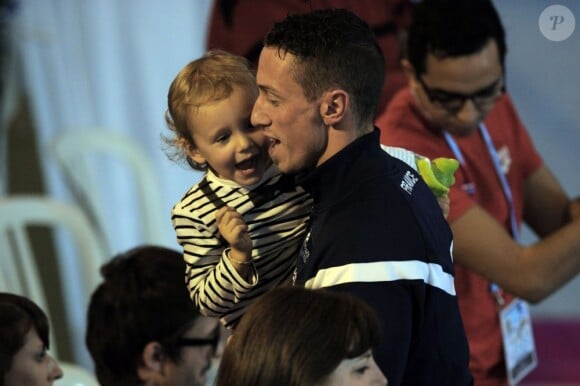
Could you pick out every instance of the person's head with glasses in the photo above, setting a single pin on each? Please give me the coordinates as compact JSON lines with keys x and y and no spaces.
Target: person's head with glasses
{"x":143,"y":328}
{"x":455,"y":62}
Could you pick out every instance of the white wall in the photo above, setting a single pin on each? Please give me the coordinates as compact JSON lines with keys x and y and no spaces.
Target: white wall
{"x":543,"y":76}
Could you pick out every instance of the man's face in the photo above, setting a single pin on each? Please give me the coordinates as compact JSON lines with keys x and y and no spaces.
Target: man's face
{"x":457,"y":93}
{"x":298,"y":137}
{"x":192,"y":367}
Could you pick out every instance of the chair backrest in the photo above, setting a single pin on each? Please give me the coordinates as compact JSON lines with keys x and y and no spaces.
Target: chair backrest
{"x":18,"y":265}
{"x":76,"y":152}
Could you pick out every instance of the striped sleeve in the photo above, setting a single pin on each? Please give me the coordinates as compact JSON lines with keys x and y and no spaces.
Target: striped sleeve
{"x":213,"y":283}
{"x":276,"y":222}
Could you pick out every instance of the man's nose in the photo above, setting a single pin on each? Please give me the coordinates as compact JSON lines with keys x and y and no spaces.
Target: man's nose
{"x":258,"y":118}
{"x":469,"y":113}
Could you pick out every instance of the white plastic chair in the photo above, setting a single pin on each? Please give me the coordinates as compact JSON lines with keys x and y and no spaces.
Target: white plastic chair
{"x":77,"y":152}
{"x":75,"y":375}
{"x":18,"y":265}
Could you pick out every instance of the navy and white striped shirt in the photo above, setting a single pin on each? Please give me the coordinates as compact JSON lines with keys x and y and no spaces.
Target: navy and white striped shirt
{"x":276,"y":220}
{"x":276,"y":215}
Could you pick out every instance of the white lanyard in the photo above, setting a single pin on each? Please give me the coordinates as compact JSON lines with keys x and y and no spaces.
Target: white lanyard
{"x":504,"y":184}
{"x":498,"y":170}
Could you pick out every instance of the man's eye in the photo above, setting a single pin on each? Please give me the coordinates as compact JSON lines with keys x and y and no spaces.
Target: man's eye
{"x":444,"y":98}
{"x":450,"y":103}
{"x":487,"y":93}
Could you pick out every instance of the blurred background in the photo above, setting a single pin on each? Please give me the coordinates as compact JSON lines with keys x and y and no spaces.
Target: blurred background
{"x":105,"y":66}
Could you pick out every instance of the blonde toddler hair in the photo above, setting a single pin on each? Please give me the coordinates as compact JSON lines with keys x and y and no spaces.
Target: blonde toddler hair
{"x":208,"y":79}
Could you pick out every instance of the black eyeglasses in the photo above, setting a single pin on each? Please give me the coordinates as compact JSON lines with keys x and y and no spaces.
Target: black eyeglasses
{"x":197,"y":342}
{"x":453,"y":101}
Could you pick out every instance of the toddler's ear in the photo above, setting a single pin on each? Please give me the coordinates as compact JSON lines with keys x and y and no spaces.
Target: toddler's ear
{"x":194,"y":154}
{"x":191,"y":151}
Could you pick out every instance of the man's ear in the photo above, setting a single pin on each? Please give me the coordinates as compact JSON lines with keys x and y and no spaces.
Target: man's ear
{"x":409,"y":71}
{"x":334,"y":106}
{"x":408,"y":68}
{"x":151,"y":366}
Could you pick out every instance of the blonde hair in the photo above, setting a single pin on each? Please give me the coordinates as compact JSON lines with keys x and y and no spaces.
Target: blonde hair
{"x":208,"y":79}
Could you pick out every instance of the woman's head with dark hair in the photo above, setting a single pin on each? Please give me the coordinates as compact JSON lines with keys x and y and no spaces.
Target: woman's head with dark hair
{"x":23,"y":342}
{"x":295,"y":336}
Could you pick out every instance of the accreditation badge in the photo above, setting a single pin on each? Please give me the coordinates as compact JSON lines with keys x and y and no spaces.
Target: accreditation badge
{"x":518,"y":340}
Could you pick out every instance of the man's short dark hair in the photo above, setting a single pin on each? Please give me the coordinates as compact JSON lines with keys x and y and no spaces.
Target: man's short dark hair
{"x":334,"y":48}
{"x":143,"y":298}
{"x":453,"y":28}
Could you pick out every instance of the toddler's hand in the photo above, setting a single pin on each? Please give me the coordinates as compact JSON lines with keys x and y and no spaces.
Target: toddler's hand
{"x":234,"y":230}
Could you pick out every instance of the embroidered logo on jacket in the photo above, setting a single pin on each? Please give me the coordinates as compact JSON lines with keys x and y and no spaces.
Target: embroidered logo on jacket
{"x":408,"y":182}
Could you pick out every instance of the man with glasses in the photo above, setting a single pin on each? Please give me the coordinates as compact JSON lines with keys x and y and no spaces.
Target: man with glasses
{"x":456,"y":106}
{"x":142,"y":326}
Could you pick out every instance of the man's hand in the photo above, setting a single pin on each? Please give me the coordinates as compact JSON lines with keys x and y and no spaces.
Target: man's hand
{"x":574,"y":209}
{"x":444,"y":202}
{"x":438,"y":174}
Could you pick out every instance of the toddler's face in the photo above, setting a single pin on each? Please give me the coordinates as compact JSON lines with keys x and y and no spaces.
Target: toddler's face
{"x":227,"y":142}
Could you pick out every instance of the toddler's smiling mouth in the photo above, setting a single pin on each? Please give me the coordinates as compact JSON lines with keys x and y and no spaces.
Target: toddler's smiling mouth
{"x":249,"y":165}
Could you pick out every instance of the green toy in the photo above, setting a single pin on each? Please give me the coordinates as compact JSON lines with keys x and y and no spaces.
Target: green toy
{"x":438,"y":174}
